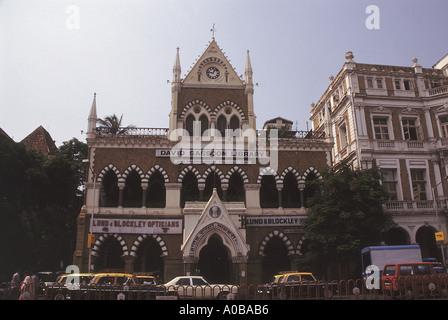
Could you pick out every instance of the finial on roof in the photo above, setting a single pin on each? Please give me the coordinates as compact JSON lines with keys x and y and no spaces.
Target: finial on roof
{"x":213,"y":29}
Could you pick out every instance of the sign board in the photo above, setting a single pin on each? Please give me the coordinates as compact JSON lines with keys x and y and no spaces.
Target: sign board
{"x":273,"y":221}
{"x":440,"y":237}
{"x":137,"y":226}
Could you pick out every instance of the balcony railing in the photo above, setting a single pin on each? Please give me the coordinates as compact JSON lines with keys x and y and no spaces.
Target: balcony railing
{"x":409,"y":206}
{"x":438,"y":90}
{"x":131,"y":131}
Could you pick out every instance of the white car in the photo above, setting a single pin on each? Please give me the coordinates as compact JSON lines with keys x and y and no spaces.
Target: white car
{"x":196,"y":287}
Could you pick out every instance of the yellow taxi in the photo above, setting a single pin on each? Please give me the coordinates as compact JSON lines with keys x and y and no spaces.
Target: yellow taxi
{"x":114,"y":279}
{"x":68,"y":286}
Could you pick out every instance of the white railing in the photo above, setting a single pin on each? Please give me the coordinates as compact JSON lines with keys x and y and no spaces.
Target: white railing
{"x":438,"y":90}
{"x":409,"y":206}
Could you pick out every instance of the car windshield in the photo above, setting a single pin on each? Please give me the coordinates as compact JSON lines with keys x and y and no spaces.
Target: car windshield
{"x":106,"y":280}
{"x":146,"y":280}
{"x":307,"y":277}
{"x":199,"y":282}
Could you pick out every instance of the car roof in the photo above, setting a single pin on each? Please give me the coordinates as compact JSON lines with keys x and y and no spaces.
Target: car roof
{"x":114,"y":274}
{"x":299,"y":273}
{"x":78,"y":274}
{"x":408,"y":263}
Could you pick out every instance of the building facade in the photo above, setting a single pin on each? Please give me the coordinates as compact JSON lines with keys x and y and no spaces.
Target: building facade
{"x":394,"y":117}
{"x":208,"y":195}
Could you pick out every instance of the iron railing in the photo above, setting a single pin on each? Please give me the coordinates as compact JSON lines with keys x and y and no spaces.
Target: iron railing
{"x":433,"y":287}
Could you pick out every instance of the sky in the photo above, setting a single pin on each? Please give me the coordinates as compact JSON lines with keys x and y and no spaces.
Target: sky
{"x":55,"y":54}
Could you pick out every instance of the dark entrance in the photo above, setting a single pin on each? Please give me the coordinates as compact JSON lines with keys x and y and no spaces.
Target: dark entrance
{"x":149,"y":258}
{"x":214,"y":262}
{"x":109,"y":256}
{"x":275,"y":259}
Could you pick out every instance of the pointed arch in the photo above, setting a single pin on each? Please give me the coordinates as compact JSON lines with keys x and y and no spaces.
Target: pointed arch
{"x":131,"y":168}
{"x":189,"y":169}
{"x":276,"y":233}
{"x":312,"y":170}
{"x":299,"y":247}
{"x":190,"y":179}
{"x":192,"y":104}
{"x":108,"y":179}
{"x":142,"y":238}
{"x":159,"y":169}
{"x":293,"y":171}
{"x":100,"y":240}
{"x":109,"y":167}
{"x":270,"y":172}
{"x":213,"y":178}
{"x":241,"y":172}
{"x":231,"y":104}
{"x":216,"y":170}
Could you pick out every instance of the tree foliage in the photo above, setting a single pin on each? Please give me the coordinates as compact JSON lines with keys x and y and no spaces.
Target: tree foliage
{"x":344,"y":216}
{"x":113,"y":125}
{"x":39,"y":203}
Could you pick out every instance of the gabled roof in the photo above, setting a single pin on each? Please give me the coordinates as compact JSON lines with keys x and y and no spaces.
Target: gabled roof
{"x":3,"y":133}
{"x":40,"y":140}
{"x":212,"y":55}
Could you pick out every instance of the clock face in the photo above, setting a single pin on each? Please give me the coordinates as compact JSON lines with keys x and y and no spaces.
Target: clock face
{"x":212,"y":72}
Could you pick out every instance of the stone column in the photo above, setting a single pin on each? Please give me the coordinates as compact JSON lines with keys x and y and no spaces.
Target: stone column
{"x":144,"y":189}
{"x":129,"y":264}
{"x":302,"y":194}
{"x":120,"y":194}
{"x":252,"y":198}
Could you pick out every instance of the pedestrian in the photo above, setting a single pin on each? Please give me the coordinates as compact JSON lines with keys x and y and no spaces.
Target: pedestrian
{"x":15,"y":285}
{"x":36,"y":283}
{"x":27,"y":288}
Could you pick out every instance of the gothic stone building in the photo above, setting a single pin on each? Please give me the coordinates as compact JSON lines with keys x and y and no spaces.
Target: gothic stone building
{"x":209,"y":195}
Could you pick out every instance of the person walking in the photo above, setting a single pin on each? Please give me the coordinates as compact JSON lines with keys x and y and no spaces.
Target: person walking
{"x":15,"y":285}
{"x":27,"y":288}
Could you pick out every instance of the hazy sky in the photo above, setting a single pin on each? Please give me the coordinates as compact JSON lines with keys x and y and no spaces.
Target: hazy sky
{"x":54,"y":54}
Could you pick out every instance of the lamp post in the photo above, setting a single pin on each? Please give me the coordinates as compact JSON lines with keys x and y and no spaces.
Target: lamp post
{"x":90,"y":237}
{"x":436,"y":207}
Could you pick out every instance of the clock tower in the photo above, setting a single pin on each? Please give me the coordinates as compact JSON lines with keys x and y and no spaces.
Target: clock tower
{"x":212,"y":93}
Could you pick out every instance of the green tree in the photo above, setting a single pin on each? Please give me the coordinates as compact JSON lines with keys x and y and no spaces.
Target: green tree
{"x":344,"y":215}
{"x":113,"y":125}
{"x":39,"y":204}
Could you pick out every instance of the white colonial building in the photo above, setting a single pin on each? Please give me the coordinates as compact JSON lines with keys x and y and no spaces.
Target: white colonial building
{"x":394,"y":117}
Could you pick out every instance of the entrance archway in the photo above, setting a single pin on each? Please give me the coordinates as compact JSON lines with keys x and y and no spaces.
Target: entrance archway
{"x":110,"y":256}
{"x":275,"y":259}
{"x":149,"y":257}
{"x":214,"y":261}
{"x":426,"y":239}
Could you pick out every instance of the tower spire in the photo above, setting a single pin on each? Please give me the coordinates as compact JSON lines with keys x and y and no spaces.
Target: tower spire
{"x":248,"y":70}
{"x":92,"y":119}
{"x":176,"y":68}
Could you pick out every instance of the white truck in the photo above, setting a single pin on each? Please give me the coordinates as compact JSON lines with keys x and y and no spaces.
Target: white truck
{"x":381,"y":255}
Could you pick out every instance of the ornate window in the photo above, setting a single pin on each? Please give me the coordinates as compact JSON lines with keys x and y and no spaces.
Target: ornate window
{"x":418,"y":177}
{"x":109,"y":190}
{"x":381,"y":128}
{"x":132,"y":193}
{"x":156,"y":192}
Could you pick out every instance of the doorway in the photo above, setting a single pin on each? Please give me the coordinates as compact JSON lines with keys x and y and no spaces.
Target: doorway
{"x":214,"y":261}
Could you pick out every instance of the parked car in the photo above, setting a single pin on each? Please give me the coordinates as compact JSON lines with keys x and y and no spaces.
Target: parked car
{"x":301,"y":285}
{"x":146,"y":280}
{"x":68,"y":286}
{"x":409,"y":279}
{"x":46,"y":279}
{"x":121,"y":286}
{"x":196,"y":287}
